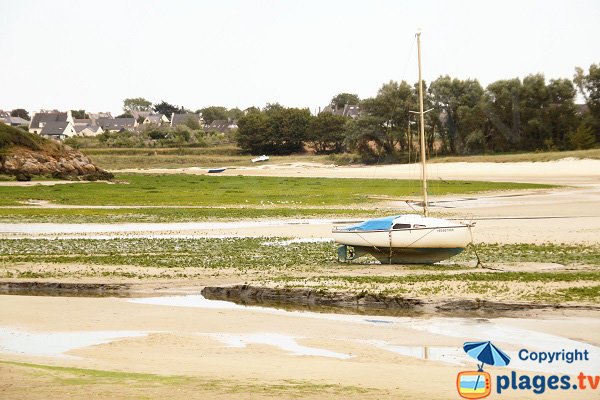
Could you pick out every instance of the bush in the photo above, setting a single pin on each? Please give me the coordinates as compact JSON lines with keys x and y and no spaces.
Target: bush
{"x":10,"y":136}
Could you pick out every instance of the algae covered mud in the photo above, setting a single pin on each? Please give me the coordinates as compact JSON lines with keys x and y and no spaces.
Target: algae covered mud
{"x":526,"y":272}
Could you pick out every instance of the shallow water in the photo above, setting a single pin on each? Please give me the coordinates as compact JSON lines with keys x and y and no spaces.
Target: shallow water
{"x":474,"y":329}
{"x":56,"y":344}
{"x":284,"y":342}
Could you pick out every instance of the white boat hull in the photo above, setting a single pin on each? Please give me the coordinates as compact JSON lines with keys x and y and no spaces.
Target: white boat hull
{"x":400,"y":246}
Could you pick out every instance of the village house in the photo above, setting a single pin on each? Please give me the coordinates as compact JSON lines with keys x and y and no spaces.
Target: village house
{"x":88,"y":130}
{"x":117,"y":124}
{"x":221,"y":125}
{"x":140,"y":115}
{"x":12,"y":121}
{"x":182,"y":119}
{"x":41,"y":119}
{"x":96,"y":116}
{"x":156,"y":119}
{"x":349,"y":110}
{"x":59,"y":130}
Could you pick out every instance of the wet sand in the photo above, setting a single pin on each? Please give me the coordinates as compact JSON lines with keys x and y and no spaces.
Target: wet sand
{"x":396,"y":357}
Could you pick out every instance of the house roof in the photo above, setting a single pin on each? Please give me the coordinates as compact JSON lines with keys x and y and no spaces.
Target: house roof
{"x":222,"y":125}
{"x":17,"y":121}
{"x":47,"y":117}
{"x":181,"y":119}
{"x":116,"y":123}
{"x":143,"y":114}
{"x":82,"y":121}
{"x":155,"y":117}
{"x":54,"y":128}
{"x":100,"y":115}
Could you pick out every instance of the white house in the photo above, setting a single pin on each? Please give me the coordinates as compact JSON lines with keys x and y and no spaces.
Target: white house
{"x":156,"y":119}
{"x":41,"y":119}
{"x":58,"y":130}
{"x":88,"y":130}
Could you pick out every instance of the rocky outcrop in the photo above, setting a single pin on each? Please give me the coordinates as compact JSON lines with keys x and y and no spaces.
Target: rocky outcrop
{"x":360,"y":303}
{"x":65,"y":164}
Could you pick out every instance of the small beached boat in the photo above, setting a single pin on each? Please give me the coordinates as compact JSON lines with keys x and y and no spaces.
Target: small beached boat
{"x":260,"y":159}
{"x":405,"y":239}
{"x":216,"y":170}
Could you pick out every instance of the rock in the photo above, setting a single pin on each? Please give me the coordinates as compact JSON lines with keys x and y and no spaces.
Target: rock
{"x":21,"y":177}
{"x":66,"y":164}
{"x":30,"y":168}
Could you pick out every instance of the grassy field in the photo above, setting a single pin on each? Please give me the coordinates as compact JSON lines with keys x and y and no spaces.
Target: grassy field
{"x":47,"y":381}
{"x":521,"y":157}
{"x":183,"y":214}
{"x":200,"y":190}
{"x":218,"y":156}
{"x":198,"y":197}
{"x":118,"y":158}
{"x":312,"y":265}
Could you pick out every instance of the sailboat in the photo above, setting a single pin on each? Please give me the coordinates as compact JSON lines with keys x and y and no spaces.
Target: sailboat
{"x":409,"y":238}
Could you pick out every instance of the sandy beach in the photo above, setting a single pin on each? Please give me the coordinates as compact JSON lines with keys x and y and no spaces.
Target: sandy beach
{"x":228,"y":351}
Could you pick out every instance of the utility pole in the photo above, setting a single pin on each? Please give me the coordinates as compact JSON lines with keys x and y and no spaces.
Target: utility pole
{"x":422,"y":120}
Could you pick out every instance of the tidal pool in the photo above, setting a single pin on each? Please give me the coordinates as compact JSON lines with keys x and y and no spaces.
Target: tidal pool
{"x":472,"y":329}
{"x":56,"y":344}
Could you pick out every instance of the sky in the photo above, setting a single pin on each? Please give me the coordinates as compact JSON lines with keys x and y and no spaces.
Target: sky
{"x":91,"y":55}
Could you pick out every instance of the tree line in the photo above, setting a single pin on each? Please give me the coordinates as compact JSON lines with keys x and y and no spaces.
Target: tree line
{"x":511,"y":115}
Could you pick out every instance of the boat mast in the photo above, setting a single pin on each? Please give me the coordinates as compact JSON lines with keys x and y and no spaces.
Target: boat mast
{"x":422,"y":133}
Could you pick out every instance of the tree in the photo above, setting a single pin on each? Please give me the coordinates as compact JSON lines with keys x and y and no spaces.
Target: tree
{"x":502,"y":109}
{"x":340,"y":100}
{"x":276,"y":130}
{"x":125,"y":115}
{"x":213,"y":113}
{"x":583,"y":137}
{"x":192,"y":123}
{"x":589,"y":86}
{"x":561,"y":115}
{"x":253,"y":132}
{"x":79,"y":114}
{"x":457,"y":102}
{"x":287,"y":128}
{"x":388,"y":115}
{"x":167,"y":109}
{"x":326,"y":133}
{"x":234,"y":114}
{"x":136,"y":104}
{"x":365,"y":135}
{"x":21,"y":113}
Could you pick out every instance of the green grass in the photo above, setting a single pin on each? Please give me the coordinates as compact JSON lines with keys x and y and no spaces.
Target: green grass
{"x":251,"y":253}
{"x":123,"y":215}
{"x":521,"y":157}
{"x":199,"y":190}
{"x":301,"y":265}
{"x":214,"y":156}
{"x":229,"y":155}
{"x":476,"y":277}
{"x":67,"y":379}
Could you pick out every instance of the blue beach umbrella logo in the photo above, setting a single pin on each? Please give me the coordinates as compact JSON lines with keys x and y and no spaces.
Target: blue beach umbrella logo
{"x":486,"y":353}
{"x":478,"y":384}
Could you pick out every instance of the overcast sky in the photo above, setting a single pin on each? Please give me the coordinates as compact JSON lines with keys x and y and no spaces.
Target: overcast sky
{"x":93,"y":54}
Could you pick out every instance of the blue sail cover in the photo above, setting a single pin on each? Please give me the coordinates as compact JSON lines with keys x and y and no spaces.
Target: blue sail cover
{"x":377,"y":224}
